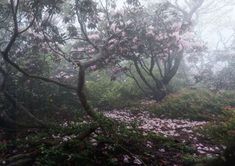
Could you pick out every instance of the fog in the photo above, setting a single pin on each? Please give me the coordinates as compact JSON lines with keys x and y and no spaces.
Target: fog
{"x":117,"y":82}
{"x":214,"y":21}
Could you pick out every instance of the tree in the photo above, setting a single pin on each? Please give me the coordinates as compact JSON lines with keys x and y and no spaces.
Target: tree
{"x":153,"y":44}
{"x":26,"y":31}
{"x":164,"y":42}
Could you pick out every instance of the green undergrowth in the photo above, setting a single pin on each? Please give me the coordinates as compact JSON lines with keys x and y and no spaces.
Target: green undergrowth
{"x":103,"y":92}
{"x":61,"y":146}
{"x":222,"y":132}
{"x":197,"y":104}
{"x":192,"y":160}
{"x":110,"y":150}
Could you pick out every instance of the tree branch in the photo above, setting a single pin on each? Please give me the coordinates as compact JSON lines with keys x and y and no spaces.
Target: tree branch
{"x":6,"y":58}
{"x":25,"y":110}
{"x":3,"y":83}
{"x":81,"y":94}
{"x":142,"y":77}
{"x":84,"y":32}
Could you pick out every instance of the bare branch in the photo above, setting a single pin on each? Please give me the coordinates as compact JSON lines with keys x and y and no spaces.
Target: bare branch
{"x":30,"y":25}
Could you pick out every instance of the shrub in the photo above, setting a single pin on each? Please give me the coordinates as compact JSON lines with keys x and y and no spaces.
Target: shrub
{"x":197,"y":104}
{"x":223,"y":133}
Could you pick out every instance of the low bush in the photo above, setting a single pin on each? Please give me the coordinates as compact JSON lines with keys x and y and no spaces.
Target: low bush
{"x":223,"y":133}
{"x":199,"y":104}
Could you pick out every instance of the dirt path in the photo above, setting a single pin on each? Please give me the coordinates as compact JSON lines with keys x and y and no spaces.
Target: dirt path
{"x":181,"y":130}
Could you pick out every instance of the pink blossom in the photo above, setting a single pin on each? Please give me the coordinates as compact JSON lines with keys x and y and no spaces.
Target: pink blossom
{"x":135,"y":39}
{"x":121,"y":12}
{"x":111,"y":46}
{"x":135,"y":47}
{"x":113,"y":41}
{"x":93,"y":67}
{"x":198,"y":44}
{"x":91,"y":50}
{"x":159,"y":36}
{"x":118,"y":30}
{"x":137,"y":161}
{"x":150,"y":33}
{"x":94,"y":36}
{"x":128,"y":22}
{"x":94,"y":142}
{"x":177,"y":26}
{"x":81,"y":49}
{"x":121,"y":23}
{"x":176,"y":35}
{"x":113,"y":27}
{"x":180,"y":47}
{"x":151,"y":27}
{"x":166,"y":50}
{"x":162,"y":150}
{"x":123,"y":34}
{"x":188,"y":35}
{"x":126,"y":159}
{"x":186,"y":44}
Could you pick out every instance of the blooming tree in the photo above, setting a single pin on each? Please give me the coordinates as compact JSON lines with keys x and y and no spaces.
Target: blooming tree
{"x":48,"y":28}
{"x":150,"y":42}
{"x":155,"y":43}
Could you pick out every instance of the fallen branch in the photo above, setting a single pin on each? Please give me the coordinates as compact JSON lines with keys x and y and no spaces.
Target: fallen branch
{"x":87,"y":133}
{"x":21,"y":159}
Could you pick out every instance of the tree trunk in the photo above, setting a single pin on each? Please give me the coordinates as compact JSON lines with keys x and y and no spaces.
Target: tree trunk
{"x":160,"y":95}
{"x":82,"y":95}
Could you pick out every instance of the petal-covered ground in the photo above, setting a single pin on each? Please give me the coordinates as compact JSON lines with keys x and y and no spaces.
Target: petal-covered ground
{"x":181,"y":130}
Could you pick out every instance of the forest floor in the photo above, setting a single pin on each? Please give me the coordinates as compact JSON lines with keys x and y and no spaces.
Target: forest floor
{"x":162,"y":141}
{"x":184,"y":131}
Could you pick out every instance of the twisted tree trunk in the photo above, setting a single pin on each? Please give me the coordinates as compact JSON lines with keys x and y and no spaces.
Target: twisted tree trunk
{"x":81,"y":93}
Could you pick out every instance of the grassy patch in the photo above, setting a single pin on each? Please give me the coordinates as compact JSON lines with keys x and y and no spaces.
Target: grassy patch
{"x":222,"y":132}
{"x":194,"y":104}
